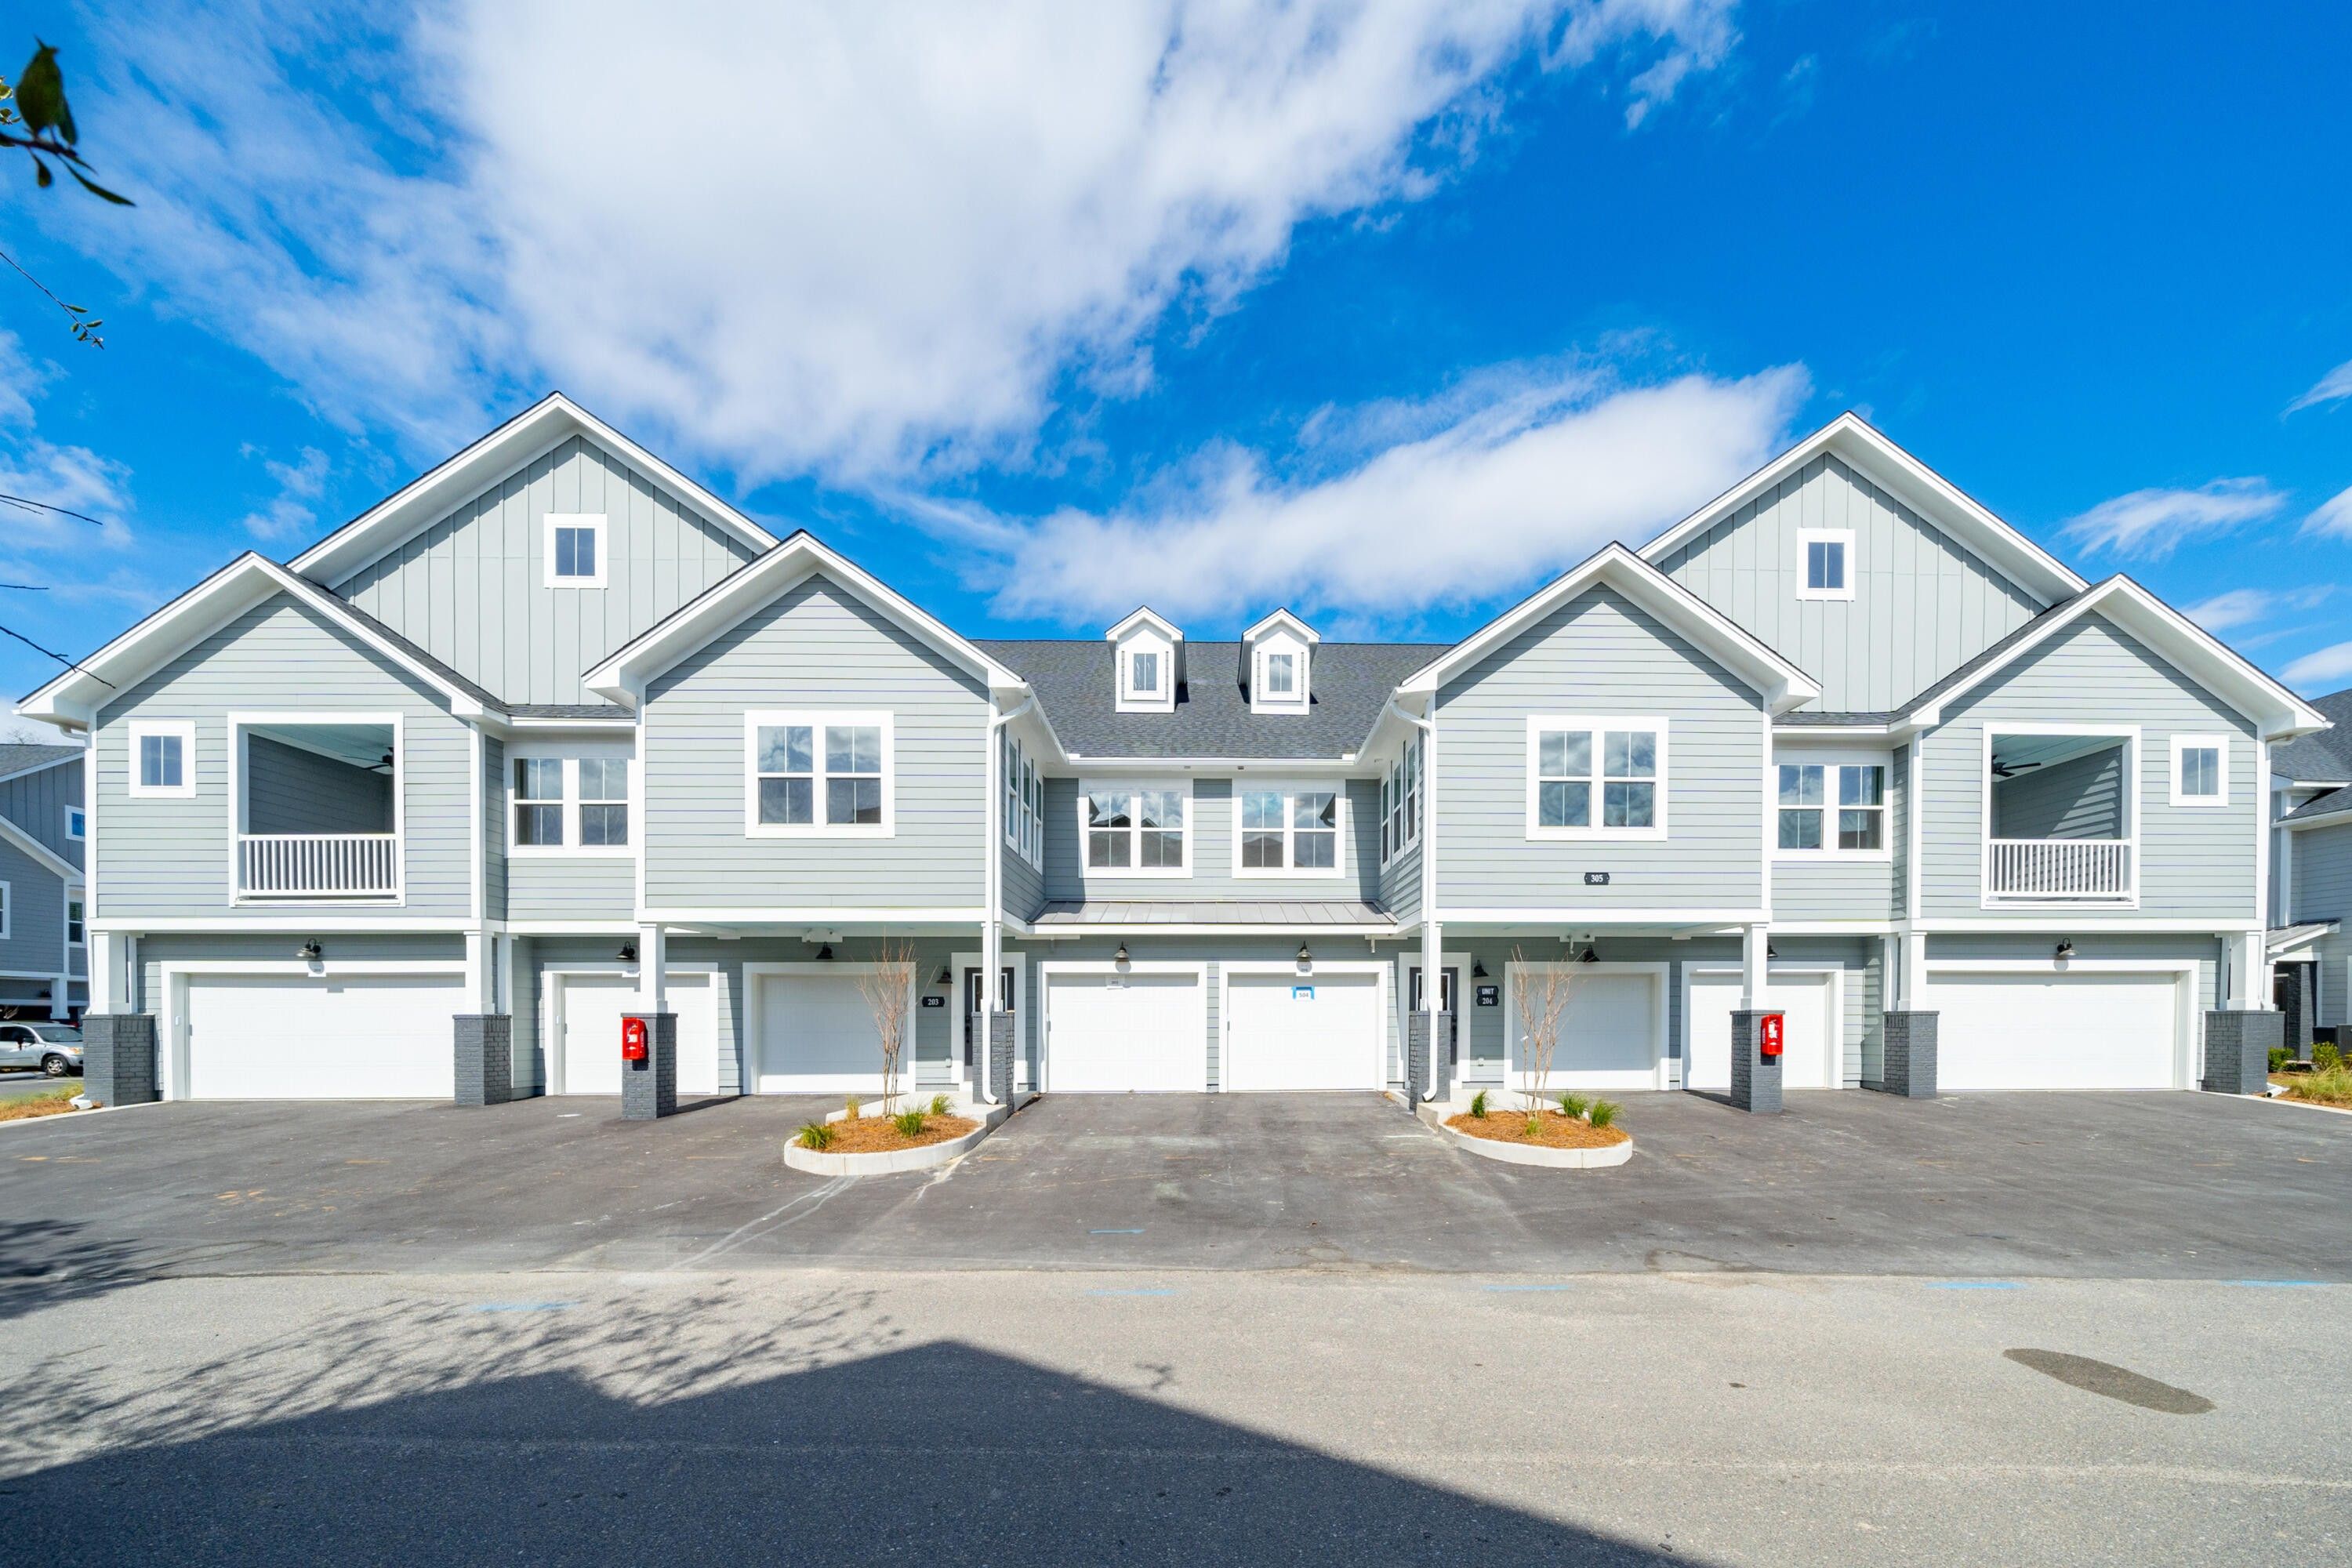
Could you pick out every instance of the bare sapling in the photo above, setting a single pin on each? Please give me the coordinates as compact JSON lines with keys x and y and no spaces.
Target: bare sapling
{"x":886,"y":985}
{"x":1542,"y":996}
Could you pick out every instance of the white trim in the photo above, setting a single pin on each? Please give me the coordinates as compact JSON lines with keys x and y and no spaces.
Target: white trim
{"x":1290,"y":789}
{"x":1379,"y":968}
{"x":1134,"y":790}
{"x":756,"y":974}
{"x":1596,"y":777}
{"x":238,"y":722}
{"x":594,"y":524}
{"x":2188,"y":1038}
{"x":39,"y":853}
{"x":1841,"y":537}
{"x":71,"y":900}
{"x":2079,"y":922}
{"x":1065,"y":932}
{"x":1048,"y":969}
{"x":1782,"y":685}
{"x":1279,"y":620}
{"x":72,"y":811}
{"x":2220,"y":743}
{"x":2133,"y":766}
{"x":1601,"y":919}
{"x":1660,"y":1065}
{"x":1145,"y":616}
{"x":817,"y":721}
{"x":1830,"y":760}
{"x":1911,"y":482}
{"x":549,"y":1019}
{"x":1140,"y":637}
{"x":8,"y":910}
{"x":185,"y":730}
{"x":171,"y":1078}
{"x":1836,"y":1019}
{"x":569,"y":755}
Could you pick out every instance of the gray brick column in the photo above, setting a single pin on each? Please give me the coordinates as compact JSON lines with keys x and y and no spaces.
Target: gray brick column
{"x":1754,"y":1079}
{"x":118,"y":1058}
{"x":2296,"y":1009}
{"x":1000,"y":1057}
{"x":1427,"y":1075}
{"x":1441,"y":1057}
{"x":649,"y":1088}
{"x":1909,"y":1068}
{"x":2238,"y":1050}
{"x":485,"y":1057}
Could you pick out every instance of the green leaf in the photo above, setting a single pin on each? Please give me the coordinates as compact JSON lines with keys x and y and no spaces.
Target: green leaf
{"x":41,"y":96}
{"x":98,"y":190}
{"x":41,"y":175}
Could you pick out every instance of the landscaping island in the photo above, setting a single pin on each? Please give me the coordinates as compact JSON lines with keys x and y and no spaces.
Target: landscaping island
{"x":1576,"y":1136}
{"x":850,"y":1142}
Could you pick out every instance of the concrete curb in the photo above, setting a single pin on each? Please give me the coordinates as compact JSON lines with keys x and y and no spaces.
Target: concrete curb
{"x":818,"y":1163}
{"x":1433,"y":1117}
{"x":2299,"y":1104}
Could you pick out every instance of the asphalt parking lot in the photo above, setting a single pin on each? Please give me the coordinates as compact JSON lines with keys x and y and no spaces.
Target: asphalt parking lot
{"x":2147,"y":1185}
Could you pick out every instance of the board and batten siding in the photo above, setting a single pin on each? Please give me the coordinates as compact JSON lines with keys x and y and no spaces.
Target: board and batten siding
{"x":471,"y":589}
{"x":2321,"y":890}
{"x":1923,"y":605}
{"x":1212,"y":848}
{"x":1601,"y":654}
{"x":37,"y":912}
{"x":37,"y":802}
{"x":2196,"y":863}
{"x":171,"y":858}
{"x":815,"y":646}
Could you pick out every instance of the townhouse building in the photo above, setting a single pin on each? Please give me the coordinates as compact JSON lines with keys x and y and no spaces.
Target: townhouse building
{"x":2311,"y":883}
{"x":553,"y":734}
{"x":43,"y":958}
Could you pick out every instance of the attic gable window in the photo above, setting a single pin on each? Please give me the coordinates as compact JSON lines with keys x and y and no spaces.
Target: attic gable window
{"x":1280,"y":652}
{"x":575,"y":550}
{"x":1825,"y":564}
{"x":1146,"y":663}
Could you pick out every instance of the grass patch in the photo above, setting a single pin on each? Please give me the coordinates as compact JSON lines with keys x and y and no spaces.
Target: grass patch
{"x":2331,"y":1086}
{"x":909,"y":1124}
{"x":53,"y":1101}
{"x":814,"y":1135}
{"x":942,"y":1105}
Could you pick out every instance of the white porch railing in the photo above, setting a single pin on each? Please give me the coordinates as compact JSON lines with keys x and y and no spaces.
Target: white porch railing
{"x":318,"y":865}
{"x":2089,"y":871}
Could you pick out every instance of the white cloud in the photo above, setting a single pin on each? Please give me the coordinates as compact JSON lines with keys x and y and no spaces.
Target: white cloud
{"x":2152,"y":522}
{"x":2326,"y":667}
{"x":1533,"y":477}
{"x":860,"y":241}
{"x":2332,"y":517}
{"x":34,"y":469}
{"x":2335,"y":386}
{"x":2245,"y":606}
{"x":293,"y":511}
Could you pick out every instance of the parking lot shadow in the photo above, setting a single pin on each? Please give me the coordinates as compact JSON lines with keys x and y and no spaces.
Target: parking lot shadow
{"x":49,"y":1263}
{"x":937,"y":1453}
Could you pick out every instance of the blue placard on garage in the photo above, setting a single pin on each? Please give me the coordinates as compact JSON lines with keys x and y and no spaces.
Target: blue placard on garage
{"x":1302,"y":994}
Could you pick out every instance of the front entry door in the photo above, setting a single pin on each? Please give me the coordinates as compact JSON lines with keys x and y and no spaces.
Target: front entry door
{"x":975,"y":1027}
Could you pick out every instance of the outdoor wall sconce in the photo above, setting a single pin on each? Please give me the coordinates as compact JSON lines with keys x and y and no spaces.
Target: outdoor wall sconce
{"x":1120,"y":956}
{"x":2065,"y":949}
{"x":946,"y":976}
{"x":1592,"y":954}
{"x":1305,"y":957}
{"x":824,"y":953}
{"x":1770,"y":951}
{"x":311,"y":952}
{"x":1477,"y":969}
{"x":628,"y":953}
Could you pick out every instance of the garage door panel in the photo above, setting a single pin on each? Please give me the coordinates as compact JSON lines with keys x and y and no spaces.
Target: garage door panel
{"x":300,"y":1037}
{"x":592,"y":1007}
{"x":2046,"y":1031}
{"x":1115,"y":1034}
{"x":817,"y":1035}
{"x":1609,"y":1033}
{"x":1287,"y":1032}
{"x":1813,"y":1038}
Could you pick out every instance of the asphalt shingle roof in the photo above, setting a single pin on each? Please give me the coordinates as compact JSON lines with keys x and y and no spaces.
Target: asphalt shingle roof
{"x":16,"y":757}
{"x":1348,"y":684}
{"x":2327,"y":757}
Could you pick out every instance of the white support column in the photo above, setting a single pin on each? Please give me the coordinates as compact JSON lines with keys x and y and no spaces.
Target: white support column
{"x":61,"y":997}
{"x":510,"y":982}
{"x":2249,"y":971}
{"x":1754,"y":942}
{"x":105,"y":953}
{"x":481,"y":971}
{"x":1890,"y":976}
{"x":653,"y":969}
{"x":132,"y":997}
{"x":1915,"y":971}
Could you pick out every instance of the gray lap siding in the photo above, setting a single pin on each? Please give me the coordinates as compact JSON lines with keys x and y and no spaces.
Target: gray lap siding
{"x":35,"y":944}
{"x":37,"y":802}
{"x":1213,"y":874}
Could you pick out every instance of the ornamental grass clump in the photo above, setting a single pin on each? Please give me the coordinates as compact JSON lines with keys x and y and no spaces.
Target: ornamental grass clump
{"x":814,"y":1135}
{"x":909,"y":1124}
{"x":1478,"y":1105}
{"x":1572,"y":1104}
{"x":1602,"y":1113}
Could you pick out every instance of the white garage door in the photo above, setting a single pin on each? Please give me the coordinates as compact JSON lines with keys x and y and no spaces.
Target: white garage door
{"x":287,"y":1037}
{"x":588,"y":1057}
{"x":2046,"y":1031}
{"x":1810,"y":1056}
{"x":816,"y":1034}
{"x":1610,"y":1033}
{"x":1117,"y":1033}
{"x":1295,"y":1032}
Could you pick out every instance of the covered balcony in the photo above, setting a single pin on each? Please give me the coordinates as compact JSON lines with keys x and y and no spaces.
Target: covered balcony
{"x":2059,"y":819}
{"x":317,"y":809}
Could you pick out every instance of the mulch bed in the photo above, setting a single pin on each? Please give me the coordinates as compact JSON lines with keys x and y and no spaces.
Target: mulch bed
{"x":1559,"y":1131}
{"x":874,"y":1135}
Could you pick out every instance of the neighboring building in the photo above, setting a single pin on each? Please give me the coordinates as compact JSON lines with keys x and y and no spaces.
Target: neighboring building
{"x":555,"y":733}
{"x":2311,"y":886}
{"x":43,"y":973}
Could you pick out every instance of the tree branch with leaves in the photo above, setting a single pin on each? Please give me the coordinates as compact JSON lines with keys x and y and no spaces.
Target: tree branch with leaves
{"x":35,"y":120}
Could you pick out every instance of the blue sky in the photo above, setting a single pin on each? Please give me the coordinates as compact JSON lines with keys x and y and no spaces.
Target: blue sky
{"x":1382,"y":311}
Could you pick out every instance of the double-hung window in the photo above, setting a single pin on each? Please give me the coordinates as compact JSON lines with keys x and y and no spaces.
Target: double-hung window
{"x":576,"y":802}
{"x":1830,"y":807}
{"x":1025,"y":792}
{"x":1136,"y":829}
{"x":1597,"y":777}
{"x":163,"y":758}
{"x":1287,"y":830}
{"x":74,"y":928}
{"x":2200,"y":770}
{"x":1401,"y":801}
{"x":817,"y":772}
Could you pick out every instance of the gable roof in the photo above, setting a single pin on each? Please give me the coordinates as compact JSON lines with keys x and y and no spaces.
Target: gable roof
{"x":1853,"y":440}
{"x":1211,"y":719}
{"x":19,"y":758}
{"x":529,"y":435}
{"x":2324,"y":757}
{"x":1782,"y":684}
{"x":39,"y":852}
{"x":2277,"y":712}
{"x":1145,"y":616}
{"x":73,"y":699}
{"x":623,"y":675}
{"x":2335,"y":803}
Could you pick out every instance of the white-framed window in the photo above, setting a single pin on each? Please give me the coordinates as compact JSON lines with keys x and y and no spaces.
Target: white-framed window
{"x":163,"y":758}
{"x":575,"y":550}
{"x":818,"y":773}
{"x":1830,"y":806}
{"x":77,"y":823}
{"x":1825,"y":564}
{"x":1400,"y":801}
{"x":1147,"y":668}
{"x":1136,"y":829}
{"x":1282,"y":677}
{"x":76,"y":931}
{"x":572,"y":800}
{"x":2200,"y":770}
{"x":1024,"y":798}
{"x":1596,"y":777}
{"x":1288,"y":829}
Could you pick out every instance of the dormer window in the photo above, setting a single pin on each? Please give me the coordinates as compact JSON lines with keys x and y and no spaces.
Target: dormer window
{"x":1280,"y":649}
{"x":1146,"y":652}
